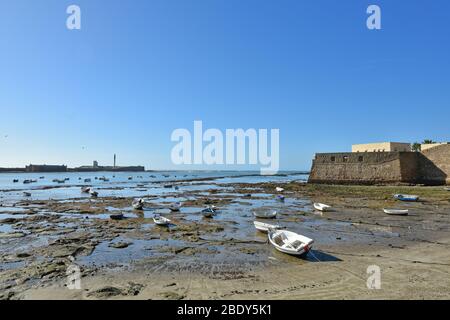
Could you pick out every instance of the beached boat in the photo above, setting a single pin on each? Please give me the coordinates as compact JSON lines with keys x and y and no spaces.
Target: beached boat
{"x":207,"y":214}
{"x":265,"y":227}
{"x":116,"y":216}
{"x":175,"y":207}
{"x":265,"y":215}
{"x":290,"y":242}
{"x":278,"y":189}
{"x":85,"y":189}
{"x":321,"y":206}
{"x":27,"y":194}
{"x":406,"y":197}
{"x":138,"y":204}
{"x":161,"y":221}
{"x":396,"y":212}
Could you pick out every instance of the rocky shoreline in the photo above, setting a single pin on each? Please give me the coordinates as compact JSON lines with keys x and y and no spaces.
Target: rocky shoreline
{"x":223,"y":257}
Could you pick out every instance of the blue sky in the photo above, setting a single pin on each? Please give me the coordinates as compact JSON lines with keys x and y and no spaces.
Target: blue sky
{"x":139,"y":69}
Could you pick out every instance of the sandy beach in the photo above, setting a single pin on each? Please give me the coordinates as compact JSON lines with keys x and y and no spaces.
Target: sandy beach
{"x":224,"y":257}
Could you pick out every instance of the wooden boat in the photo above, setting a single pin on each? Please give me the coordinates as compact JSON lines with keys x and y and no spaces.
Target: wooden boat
{"x":161,"y":221}
{"x":265,"y":227}
{"x":138,"y":204}
{"x":175,"y":207}
{"x":321,"y":207}
{"x":406,"y":197}
{"x":290,"y":242}
{"x":265,"y":215}
{"x":396,"y":212}
{"x":278,"y":189}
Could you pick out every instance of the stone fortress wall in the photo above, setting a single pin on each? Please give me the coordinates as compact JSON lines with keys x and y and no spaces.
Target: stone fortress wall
{"x":431,"y":167}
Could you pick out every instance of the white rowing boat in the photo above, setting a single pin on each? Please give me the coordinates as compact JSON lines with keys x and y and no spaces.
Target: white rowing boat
{"x":85,"y":189}
{"x":290,"y":242}
{"x":265,"y":227}
{"x":396,"y":212}
{"x":161,"y":221}
{"x":138,"y":204}
{"x":322,"y":207}
{"x":175,"y":206}
{"x":278,"y":189}
{"x":265,"y":215}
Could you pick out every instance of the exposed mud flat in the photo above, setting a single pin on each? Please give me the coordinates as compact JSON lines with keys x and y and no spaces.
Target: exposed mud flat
{"x":43,"y":237}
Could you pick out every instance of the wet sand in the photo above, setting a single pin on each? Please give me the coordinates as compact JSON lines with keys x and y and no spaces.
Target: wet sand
{"x":224,"y":257}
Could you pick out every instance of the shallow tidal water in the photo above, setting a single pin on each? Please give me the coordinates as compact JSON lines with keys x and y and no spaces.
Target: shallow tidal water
{"x":228,"y":239}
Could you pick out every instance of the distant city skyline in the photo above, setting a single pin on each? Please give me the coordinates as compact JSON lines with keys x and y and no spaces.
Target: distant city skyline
{"x":137,"y":71}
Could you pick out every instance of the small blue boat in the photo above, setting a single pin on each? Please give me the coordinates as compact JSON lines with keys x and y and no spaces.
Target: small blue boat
{"x":280,"y":198}
{"x":406,"y":197}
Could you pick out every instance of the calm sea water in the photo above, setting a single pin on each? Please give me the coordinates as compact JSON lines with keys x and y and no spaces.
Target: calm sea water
{"x":127,"y":184}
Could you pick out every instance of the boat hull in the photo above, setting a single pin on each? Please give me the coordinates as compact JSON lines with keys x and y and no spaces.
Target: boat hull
{"x":292,"y":237}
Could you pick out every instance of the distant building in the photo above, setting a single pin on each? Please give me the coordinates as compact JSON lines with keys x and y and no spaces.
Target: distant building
{"x":95,"y":164}
{"x":426,"y":146}
{"x":45,"y":168}
{"x":382,"y":147}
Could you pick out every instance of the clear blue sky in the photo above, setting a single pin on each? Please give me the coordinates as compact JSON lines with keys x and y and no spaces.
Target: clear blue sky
{"x":139,"y":69}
